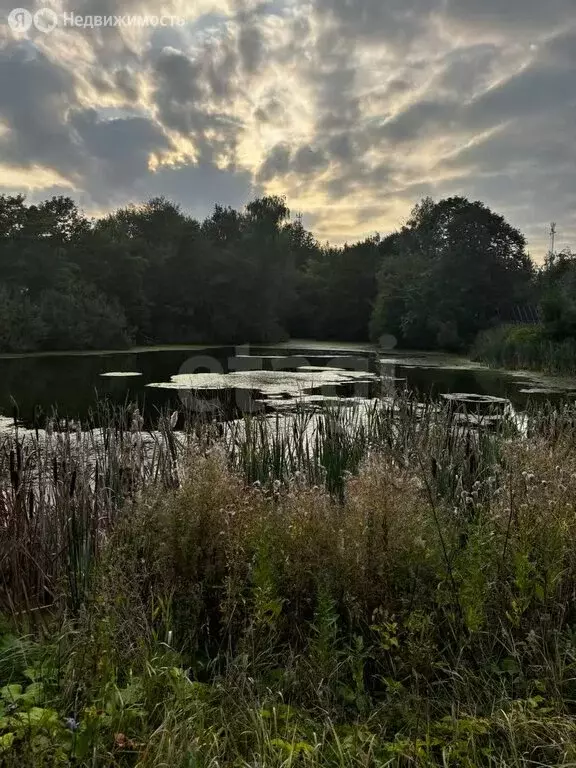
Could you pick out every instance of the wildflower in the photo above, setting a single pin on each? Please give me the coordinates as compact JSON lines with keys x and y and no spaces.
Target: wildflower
{"x":71,"y":724}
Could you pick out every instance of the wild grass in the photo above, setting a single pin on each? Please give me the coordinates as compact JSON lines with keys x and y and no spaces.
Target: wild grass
{"x":62,"y":490}
{"x":525,"y":347}
{"x":244,"y":609}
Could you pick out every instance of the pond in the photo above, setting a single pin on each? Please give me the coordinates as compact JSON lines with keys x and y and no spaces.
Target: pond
{"x":232,"y":380}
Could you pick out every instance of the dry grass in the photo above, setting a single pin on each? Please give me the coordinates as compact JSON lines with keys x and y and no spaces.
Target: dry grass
{"x":424,"y":616}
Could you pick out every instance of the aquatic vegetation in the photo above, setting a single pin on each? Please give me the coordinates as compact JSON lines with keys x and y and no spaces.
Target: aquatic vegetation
{"x":120,"y":374}
{"x":525,"y":347}
{"x":373,"y":585}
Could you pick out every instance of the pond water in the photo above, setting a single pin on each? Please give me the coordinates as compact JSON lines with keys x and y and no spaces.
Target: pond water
{"x":231,"y":380}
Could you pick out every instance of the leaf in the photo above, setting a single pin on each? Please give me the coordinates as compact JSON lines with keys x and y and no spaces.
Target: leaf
{"x":11,"y":692}
{"x":6,"y":741}
{"x":33,"y":695}
{"x":292,"y":748}
{"x":38,"y":717}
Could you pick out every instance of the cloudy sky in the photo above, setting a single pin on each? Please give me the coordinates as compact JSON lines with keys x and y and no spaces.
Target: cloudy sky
{"x":353,"y":109}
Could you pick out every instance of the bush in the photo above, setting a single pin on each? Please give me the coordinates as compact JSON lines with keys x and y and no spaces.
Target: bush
{"x":80,"y":318}
{"x":22,"y":327}
{"x":525,"y":347}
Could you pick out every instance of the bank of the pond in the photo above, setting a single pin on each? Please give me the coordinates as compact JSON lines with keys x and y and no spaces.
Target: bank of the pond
{"x":163,"y":609}
{"x":526,"y":347}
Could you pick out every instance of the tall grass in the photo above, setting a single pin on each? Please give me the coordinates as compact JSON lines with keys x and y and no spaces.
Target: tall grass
{"x":292,"y":598}
{"x":525,"y":347}
{"x":62,"y":490}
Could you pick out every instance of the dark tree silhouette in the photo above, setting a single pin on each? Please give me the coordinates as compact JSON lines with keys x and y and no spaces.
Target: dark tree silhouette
{"x":152,"y":274}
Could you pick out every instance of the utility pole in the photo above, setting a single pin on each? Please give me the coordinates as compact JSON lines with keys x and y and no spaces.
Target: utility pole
{"x":552,"y":237}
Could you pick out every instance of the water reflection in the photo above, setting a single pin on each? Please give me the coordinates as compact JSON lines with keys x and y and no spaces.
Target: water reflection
{"x":266,"y":378}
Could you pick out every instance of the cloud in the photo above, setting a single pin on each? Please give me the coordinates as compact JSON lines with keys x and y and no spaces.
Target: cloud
{"x":251,"y":47}
{"x":120,"y":149}
{"x":277,"y":163}
{"x":393,"y":22}
{"x":352,"y":108}
{"x":514,"y":16}
{"x":36,"y":96}
{"x":198,"y":187}
{"x":308,"y":160}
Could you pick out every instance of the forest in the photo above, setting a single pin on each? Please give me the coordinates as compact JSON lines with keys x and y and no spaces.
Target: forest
{"x":151,"y":274}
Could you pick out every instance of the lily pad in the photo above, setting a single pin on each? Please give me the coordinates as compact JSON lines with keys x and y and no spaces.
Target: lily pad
{"x":120,"y":374}
{"x":291,"y":383}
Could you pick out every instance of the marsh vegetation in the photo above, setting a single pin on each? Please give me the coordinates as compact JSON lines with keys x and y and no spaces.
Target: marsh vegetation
{"x":370,"y":587}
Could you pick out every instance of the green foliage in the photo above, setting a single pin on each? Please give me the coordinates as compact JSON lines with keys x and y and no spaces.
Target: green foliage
{"x":557,"y":282}
{"x":82,"y":319}
{"x":525,"y":347}
{"x":549,"y":346}
{"x":406,"y":620}
{"x":152,"y":274}
{"x":22,"y":328}
{"x":449,"y":273}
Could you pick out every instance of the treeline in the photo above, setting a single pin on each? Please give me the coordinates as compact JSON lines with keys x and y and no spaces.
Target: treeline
{"x":152,"y":274}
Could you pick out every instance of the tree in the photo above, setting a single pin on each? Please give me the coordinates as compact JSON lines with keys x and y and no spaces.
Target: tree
{"x":152,"y":274}
{"x":21,"y":326}
{"x":453,"y":270}
{"x":557,"y":284}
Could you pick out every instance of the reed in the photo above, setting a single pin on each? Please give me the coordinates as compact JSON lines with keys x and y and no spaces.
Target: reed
{"x":381,"y":585}
{"x":525,"y":348}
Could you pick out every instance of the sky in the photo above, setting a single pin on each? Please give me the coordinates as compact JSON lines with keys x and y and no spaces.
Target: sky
{"x":352,"y":109}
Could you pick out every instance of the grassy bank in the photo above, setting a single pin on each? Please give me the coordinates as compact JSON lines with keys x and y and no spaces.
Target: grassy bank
{"x":525,"y":347}
{"x":399,"y":592}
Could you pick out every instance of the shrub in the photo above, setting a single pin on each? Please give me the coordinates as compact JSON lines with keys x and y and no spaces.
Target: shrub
{"x":80,"y":318}
{"x":527,"y":347}
{"x":22,"y":328}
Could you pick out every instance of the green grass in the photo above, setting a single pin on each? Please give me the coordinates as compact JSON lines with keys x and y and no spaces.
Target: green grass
{"x":525,"y":347}
{"x":375,"y":587}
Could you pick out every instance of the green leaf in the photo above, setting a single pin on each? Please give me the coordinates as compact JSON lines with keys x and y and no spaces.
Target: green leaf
{"x":33,"y":695}
{"x":38,"y":717}
{"x":11,"y":692}
{"x":6,"y":742}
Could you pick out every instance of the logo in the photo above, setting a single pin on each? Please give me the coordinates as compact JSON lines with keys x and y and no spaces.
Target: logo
{"x":45,"y":20}
{"x":19,"y":20}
